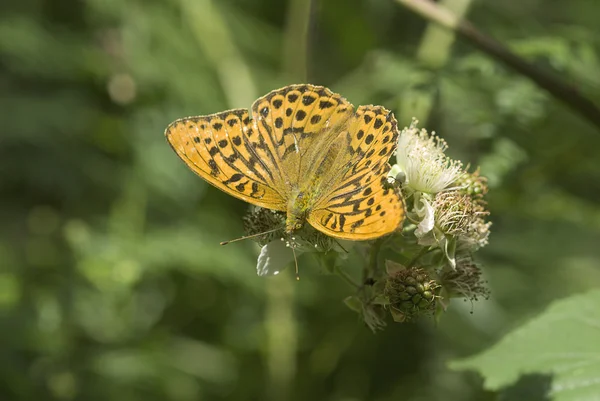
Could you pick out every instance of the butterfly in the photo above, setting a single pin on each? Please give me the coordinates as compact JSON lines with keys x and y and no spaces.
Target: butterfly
{"x":305,"y":151}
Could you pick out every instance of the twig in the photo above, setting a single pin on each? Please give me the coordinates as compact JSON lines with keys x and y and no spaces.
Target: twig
{"x":544,"y":79}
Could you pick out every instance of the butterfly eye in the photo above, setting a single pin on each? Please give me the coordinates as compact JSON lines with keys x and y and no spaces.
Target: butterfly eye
{"x":298,"y":226}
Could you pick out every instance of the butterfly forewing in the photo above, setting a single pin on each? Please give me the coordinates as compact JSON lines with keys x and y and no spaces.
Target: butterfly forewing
{"x":227,"y":151}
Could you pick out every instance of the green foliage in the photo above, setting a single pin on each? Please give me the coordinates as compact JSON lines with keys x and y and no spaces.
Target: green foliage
{"x":562,"y":342}
{"x":112,"y":281}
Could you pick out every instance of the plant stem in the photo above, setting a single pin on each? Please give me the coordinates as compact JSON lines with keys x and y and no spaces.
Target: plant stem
{"x":547,"y":80}
{"x":211,"y":32}
{"x":373,"y":259}
{"x":422,"y":252}
{"x":295,"y":51}
{"x":433,"y":53}
{"x":346,"y":277}
{"x":281,"y":330}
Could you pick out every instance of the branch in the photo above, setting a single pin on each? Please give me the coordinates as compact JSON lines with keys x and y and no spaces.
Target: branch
{"x":547,"y":80}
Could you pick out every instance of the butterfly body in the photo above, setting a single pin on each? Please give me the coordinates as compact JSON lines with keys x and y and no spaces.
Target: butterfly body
{"x":302,"y":201}
{"x":305,"y":151}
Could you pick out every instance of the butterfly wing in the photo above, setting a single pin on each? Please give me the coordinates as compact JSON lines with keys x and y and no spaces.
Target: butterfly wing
{"x":260,"y":160}
{"x":227,"y":150}
{"x":355,"y":201}
{"x":297,"y":123}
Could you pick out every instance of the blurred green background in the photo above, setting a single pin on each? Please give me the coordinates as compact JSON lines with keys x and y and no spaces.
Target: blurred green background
{"x":112,"y":282}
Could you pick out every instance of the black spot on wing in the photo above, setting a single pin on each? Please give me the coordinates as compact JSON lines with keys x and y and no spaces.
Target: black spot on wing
{"x":342,"y":221}
{"x":214,"y":169}
{"x":308,"y":100}
{"x":300,"y":115}
{"x":326,"y":219}
{"x":234,"y":178}
{"x":356,"y":224}
{"x":325,"y":104}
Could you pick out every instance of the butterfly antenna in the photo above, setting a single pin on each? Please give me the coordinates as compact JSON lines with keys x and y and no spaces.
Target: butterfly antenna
{"x":296,"y":263}
{"x":250,"y":236}
{"x":343,"y":249}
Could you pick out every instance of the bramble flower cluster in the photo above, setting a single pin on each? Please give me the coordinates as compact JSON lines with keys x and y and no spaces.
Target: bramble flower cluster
{"x":445,"y":201}
{"x":428,"y":263}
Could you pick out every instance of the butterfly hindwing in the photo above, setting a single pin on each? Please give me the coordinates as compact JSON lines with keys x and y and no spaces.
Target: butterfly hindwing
{"x":227,"y":151}
{"x":357,"y":202}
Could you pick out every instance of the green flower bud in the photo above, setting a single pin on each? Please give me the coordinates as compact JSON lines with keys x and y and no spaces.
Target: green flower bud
{"x":472,"y":184}
{"x":411,"y":293}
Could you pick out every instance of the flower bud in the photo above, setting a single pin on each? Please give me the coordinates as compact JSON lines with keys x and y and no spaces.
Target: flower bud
{"x":472,"y":184}
{"x":261,"y":220}
{"x":411,"y":293}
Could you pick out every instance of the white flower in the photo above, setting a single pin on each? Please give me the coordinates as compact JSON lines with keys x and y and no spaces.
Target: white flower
{"x":449,"y":221}
{"x":421,"y":158}
{"x":426,"y":213}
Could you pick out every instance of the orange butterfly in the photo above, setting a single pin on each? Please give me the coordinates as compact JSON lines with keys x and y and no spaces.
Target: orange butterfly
{"x":305,"y":151}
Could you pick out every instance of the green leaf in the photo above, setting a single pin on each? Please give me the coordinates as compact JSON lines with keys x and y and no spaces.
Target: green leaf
{"x":354,"y":303}
{"x":564,"y":342}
